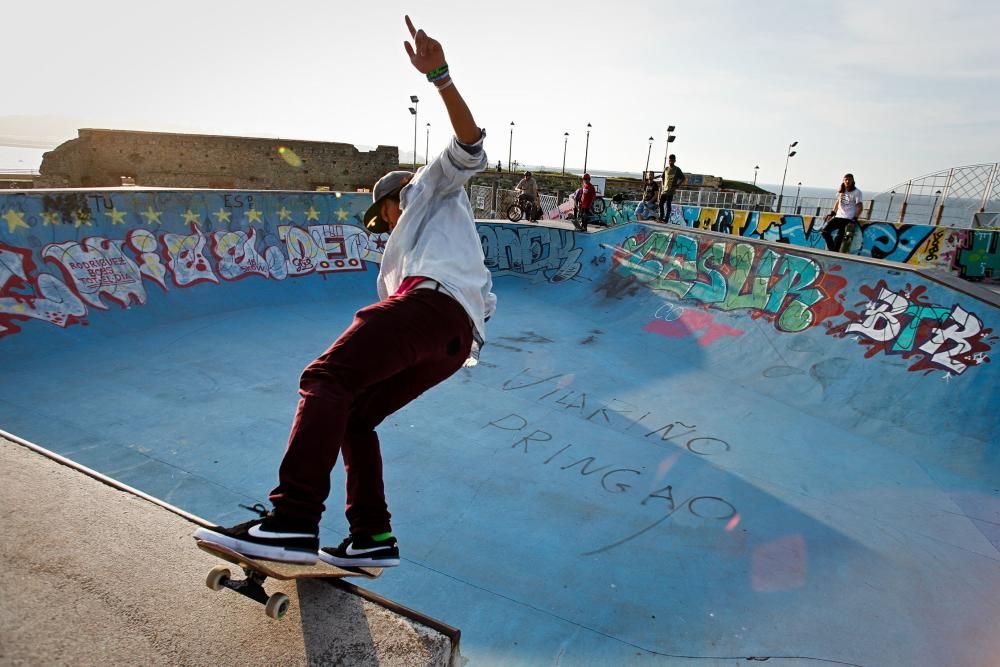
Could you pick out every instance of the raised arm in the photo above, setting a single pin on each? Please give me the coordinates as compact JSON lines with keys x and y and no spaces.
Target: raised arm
{"x":427,"y":57}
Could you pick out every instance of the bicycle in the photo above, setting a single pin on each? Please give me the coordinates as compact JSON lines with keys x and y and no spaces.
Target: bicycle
{"x":524,"y":204}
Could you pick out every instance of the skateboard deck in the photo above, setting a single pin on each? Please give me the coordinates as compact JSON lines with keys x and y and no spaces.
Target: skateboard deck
{"x":257,"y":570}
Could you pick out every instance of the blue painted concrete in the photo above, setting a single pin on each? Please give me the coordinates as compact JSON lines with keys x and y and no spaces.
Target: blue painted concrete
{"x":670,"y":448}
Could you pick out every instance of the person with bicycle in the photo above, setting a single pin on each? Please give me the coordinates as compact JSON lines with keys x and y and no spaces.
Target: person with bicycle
{"x":585,"y":196}
{"x":527,"y":190}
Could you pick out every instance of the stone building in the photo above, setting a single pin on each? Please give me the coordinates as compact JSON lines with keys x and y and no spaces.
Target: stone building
{"x":110,"y":158}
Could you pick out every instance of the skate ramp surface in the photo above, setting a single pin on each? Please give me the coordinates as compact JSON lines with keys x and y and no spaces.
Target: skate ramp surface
{"x":679,"y":447}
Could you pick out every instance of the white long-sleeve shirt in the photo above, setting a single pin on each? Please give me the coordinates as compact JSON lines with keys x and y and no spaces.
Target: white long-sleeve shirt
{"x":436,"y":235}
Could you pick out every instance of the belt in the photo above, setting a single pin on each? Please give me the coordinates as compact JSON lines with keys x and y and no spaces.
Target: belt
{"x":430,"y":284}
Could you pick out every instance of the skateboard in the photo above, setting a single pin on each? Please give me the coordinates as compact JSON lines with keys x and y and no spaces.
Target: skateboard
{"x":258,"y":570}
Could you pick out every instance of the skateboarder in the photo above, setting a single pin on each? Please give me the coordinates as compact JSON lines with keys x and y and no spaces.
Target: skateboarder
{"x":435,"y":296}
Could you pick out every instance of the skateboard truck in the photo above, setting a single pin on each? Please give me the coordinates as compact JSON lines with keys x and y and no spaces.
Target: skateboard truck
{"x":275,"y":606}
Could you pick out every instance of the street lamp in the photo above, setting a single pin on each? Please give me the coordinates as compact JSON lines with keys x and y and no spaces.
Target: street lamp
{"x":791,"y":154}
{"x":427,"y":145}
{"x":755,"y":175}
{"x":797,"y":191}
{"x":565,"y":141}
{"x":648,"y":152}
{"x":888,"y":211}
{"x":413,"y":111}
{"x":666,"y":151}
{"x":510,"y":145}
{"x":586,"y":149}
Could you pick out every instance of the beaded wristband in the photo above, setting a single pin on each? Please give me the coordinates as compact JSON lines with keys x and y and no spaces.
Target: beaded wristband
{"x":436,"y":73}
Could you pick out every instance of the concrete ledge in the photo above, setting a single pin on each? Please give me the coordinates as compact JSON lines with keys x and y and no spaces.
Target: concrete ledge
{"x":98,"y":575}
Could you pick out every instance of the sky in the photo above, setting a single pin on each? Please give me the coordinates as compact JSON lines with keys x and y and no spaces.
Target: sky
{"x":886,"y":89}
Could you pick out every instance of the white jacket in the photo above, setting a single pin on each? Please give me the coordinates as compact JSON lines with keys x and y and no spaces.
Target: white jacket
{"x":436,"y":235}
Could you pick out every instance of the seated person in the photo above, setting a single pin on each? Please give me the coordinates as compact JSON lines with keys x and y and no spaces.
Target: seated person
{"x":648,"y":208}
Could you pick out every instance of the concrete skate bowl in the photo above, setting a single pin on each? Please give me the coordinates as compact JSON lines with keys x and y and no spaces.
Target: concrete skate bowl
{"x":679,"y":446}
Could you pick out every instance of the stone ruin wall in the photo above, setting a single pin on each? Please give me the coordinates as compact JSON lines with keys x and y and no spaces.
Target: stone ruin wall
{"x":100,"y":158}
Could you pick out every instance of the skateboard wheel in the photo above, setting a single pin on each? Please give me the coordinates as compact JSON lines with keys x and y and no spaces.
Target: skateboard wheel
{"x":277,"y":605}
{"x":217,"y":577}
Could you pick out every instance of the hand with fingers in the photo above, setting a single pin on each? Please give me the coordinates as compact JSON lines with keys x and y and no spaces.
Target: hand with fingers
{"x":425,"y":53}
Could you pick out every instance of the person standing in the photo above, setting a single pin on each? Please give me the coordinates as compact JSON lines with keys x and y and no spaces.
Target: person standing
{"x":585,"y":196}
{"x":842,"y":220}
{"x":673,"y":178}
{"x":436,"y":295}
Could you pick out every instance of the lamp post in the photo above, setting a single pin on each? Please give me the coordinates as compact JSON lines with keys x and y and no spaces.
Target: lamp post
{"x":586,"y":149}
{"x":666,"y":151}
{"x":413,"y":112}
{"x":756,"y":167}
{"x":648,"y":153}
{"x":427,"y":145}
{"x":510,"y":145}
{"x":790,"y":155}
{"x":888,"y":211}
{"x":565,"y":141}
{"x":797,"y":191}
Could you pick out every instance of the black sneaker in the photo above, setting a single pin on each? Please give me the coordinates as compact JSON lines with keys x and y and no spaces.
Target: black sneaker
{"x":359,"y":551}
{"x":270,"y":537}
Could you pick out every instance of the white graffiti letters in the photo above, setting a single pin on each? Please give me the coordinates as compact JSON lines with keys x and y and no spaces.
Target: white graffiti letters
{"x":99,"y":269}
{"x":881,"y":321}
{"x":964,"y":326}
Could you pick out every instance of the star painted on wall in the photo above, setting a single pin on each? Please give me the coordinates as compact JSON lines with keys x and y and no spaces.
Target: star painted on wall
{"x":312,"y":214}
{"x":342,"y":214}
{"x":81,"y":218}
{"x":117,"y":217}
{"x":190,"y":217}
{"x":50,"y":218}
{"x":151,"y":215}
{"x":14,"y":220}
{"x":253,"y":215}
{"x":222,"y":215}
{"x":284,"y":213}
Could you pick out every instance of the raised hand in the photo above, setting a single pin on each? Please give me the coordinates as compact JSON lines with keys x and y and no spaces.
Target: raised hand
{"x":426,"y":53}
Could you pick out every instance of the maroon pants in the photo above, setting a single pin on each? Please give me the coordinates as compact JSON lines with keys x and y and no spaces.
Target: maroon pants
{"x":393,"y":351}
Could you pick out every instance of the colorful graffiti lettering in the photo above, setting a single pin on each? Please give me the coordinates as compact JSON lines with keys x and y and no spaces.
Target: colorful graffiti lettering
{"x":531,"y":251}
{"x":98,"y":268}
{"x":330,"y":248}
{"x":905,"y":323}
{"x":788,"y":289}
{"x":25,"y":295}
{"x":981,"y":258}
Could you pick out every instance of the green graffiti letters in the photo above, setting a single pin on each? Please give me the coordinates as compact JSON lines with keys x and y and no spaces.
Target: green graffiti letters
{"x":726,"y":276}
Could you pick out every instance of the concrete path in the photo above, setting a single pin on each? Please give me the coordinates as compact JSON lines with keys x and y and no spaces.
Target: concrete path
{"x":96,"y":576}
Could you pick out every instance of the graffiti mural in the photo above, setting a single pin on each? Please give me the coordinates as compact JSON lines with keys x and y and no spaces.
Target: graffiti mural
{"x":905,"y":323}
{"x":27,"y":295}
{"x":168,"y":240}
{"x":787,"y":289}
{"x":540,"y":252}
{"x":971,"y":254}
